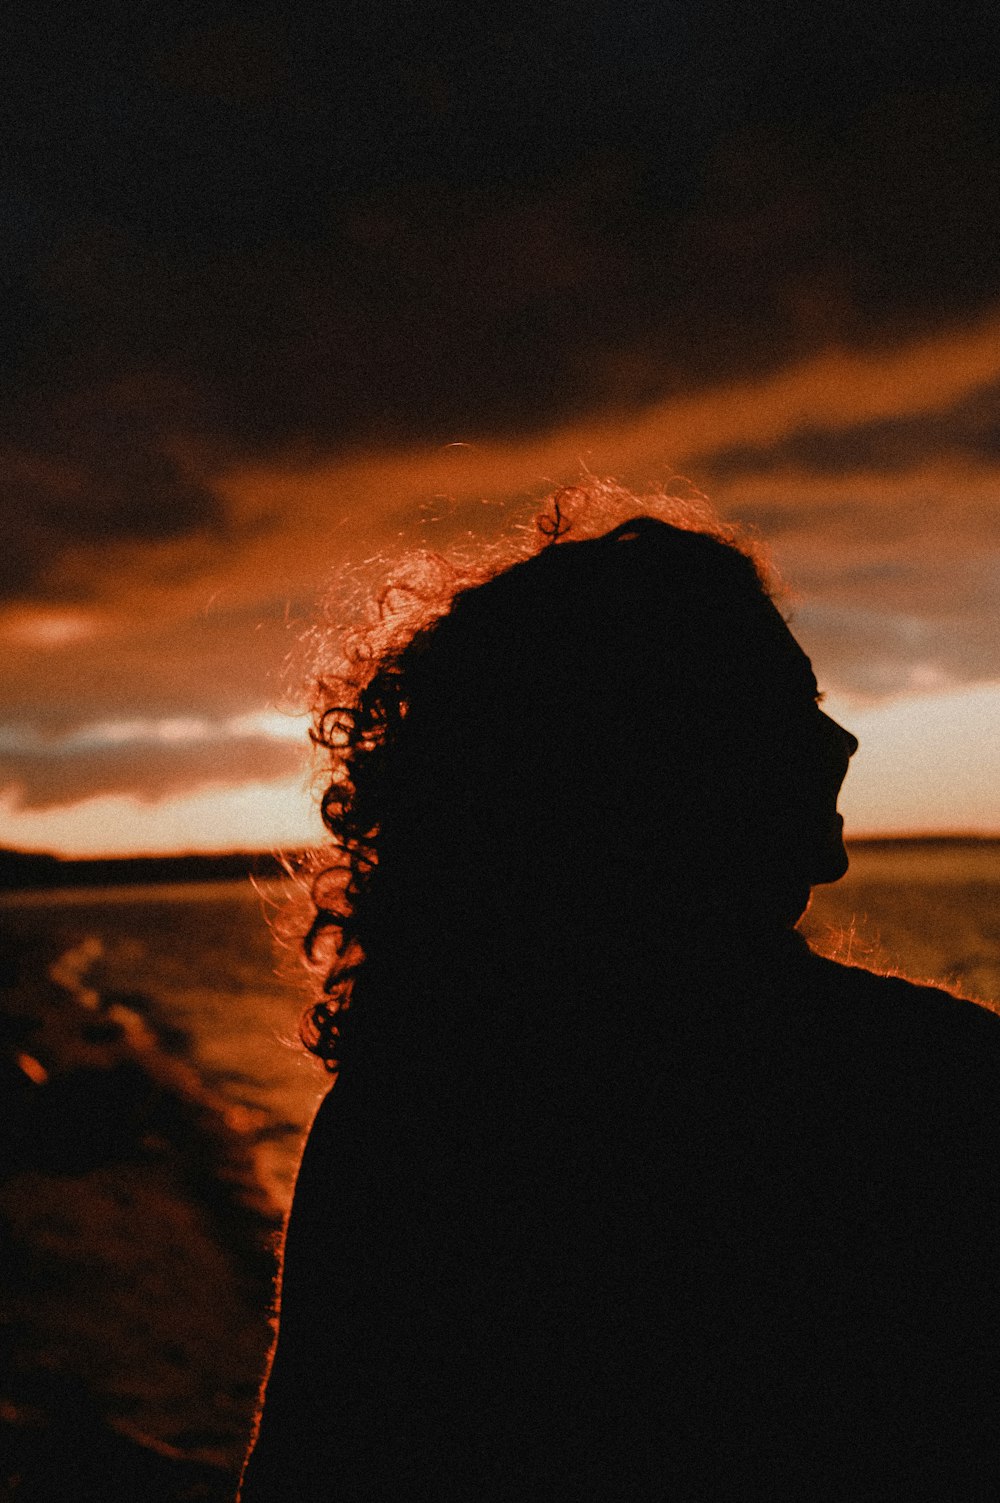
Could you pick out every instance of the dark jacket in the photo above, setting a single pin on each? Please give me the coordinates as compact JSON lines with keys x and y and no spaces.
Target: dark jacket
{"x":747,"y":1246}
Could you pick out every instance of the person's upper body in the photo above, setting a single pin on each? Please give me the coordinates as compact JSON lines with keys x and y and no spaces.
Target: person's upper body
{"x":621,"y":1191}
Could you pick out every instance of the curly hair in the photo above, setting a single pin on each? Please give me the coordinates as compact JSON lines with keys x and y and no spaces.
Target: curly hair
{"x":469,"y":726}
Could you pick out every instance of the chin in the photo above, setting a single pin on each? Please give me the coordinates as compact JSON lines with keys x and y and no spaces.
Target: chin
{"x":830,"y":864}
{"x":796,"y":903}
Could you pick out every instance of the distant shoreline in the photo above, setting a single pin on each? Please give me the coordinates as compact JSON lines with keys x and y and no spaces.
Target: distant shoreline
{"x":918,"y":842}
{"x":29,"y":871}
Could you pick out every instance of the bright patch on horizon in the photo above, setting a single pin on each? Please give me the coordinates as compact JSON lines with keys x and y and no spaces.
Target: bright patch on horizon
{"x":279,"y":815}
{"x":927,"y":762}
{"x":31,"y":627}
{"x":270,"y":723}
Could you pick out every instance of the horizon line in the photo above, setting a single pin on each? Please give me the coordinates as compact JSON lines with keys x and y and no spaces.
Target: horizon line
{"x":297,"y":849}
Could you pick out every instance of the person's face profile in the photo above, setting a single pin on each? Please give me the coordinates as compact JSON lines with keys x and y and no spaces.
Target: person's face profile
{"x":809,"y":756}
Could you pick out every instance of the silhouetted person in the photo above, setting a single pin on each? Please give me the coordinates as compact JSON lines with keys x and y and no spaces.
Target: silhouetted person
{"x":622,"y":1192}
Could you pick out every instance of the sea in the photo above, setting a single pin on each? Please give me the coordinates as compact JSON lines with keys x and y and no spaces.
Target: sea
{"x":208,"y":957}
{"x":205,"y":959}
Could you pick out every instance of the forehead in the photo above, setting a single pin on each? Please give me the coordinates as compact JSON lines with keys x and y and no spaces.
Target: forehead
{"x":773,"y":653}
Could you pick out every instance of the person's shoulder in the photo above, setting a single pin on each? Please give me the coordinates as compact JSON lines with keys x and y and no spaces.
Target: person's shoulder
{"x":892,"y":989}
{"x":910,"y":1010}
{"x":918,"y":1065}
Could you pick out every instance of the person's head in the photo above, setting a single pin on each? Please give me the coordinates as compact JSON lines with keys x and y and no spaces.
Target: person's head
{"x":615,"y":741}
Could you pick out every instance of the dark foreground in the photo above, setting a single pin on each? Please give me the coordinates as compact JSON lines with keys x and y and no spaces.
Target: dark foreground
{"x":135,"y":1251}
{"x":136,"y":1260}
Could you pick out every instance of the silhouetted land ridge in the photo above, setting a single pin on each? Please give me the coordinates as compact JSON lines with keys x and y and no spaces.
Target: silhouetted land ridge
{"x":27,"y":870}
{"x":20,"y":870}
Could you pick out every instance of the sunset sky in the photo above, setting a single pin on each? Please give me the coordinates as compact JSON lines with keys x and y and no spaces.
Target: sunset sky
{"x":288,"y":292}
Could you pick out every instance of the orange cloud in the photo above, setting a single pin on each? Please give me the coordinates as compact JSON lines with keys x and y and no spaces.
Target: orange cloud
{"x":150,"y":769}
{"x":895,"y":565}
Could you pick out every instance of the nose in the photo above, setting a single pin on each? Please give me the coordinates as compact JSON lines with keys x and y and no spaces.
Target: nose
{"x":848,"y":740}
{"x":845,"y":741}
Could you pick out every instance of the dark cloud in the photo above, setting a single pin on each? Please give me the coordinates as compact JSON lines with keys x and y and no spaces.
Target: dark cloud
{"x":875,"y":654}
{"x":969,"y":431}
{"x":93,"y":468}
{"x":217,"y":663}
{"x":350,"y":226}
